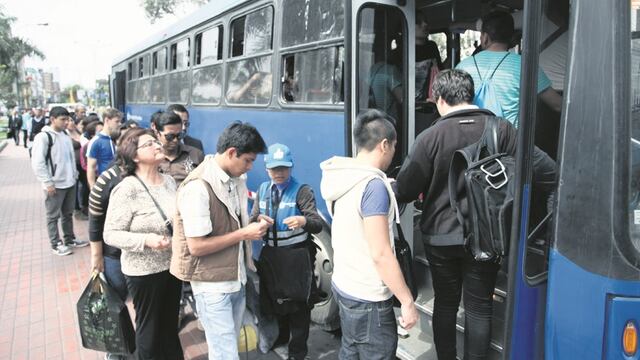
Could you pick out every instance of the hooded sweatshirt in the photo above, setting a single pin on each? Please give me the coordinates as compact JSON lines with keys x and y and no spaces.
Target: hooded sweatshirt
{"x":61,"y":155}
{"x":343,"y":183}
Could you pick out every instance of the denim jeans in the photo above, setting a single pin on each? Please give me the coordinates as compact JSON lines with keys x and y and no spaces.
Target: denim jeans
{"x":221,"y":316}
{"x":115,"y":277}
{"x":454,"y":270}
{"x":369,"y":330}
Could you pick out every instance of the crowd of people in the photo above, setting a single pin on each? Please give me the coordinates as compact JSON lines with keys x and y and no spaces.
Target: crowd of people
{"x":161,"y":214}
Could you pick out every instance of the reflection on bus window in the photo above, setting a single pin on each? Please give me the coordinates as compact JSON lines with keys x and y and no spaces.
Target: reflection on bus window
{"x":207,"y":85}
{"x":311,"y":20}
{"x":250,"y":81}
{"x":634,"y":204}
{"x":158,"y":89}
{"x":311,"y":76}
{"x":252,"y":33}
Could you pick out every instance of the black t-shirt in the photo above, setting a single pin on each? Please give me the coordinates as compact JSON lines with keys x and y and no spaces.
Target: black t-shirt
{"x":428,"y":50}
{"x":427,"y":55}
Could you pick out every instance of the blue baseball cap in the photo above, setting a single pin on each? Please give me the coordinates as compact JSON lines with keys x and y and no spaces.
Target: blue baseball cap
{"x":278,"y":155}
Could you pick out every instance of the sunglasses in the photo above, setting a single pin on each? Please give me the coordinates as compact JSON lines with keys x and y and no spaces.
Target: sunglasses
{"x":171,"y":137}
{"x":150,"y":143}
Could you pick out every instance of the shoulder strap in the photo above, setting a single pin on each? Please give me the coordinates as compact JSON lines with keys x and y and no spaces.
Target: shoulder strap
{"x":553,"y":37}
{"x":47,"y":156}
{"x":477,"y":69}
{"x":500,"y":63}
{"x":164,"y":217}
{"x":491,"y":134}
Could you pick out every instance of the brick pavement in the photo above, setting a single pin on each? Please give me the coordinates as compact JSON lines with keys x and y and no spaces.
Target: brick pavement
{"x":39,"y":290}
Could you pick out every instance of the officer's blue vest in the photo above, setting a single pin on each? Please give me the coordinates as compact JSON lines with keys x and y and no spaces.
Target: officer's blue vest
{"x":287,"y":208}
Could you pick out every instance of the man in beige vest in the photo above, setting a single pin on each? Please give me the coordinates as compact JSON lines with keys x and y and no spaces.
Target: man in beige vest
{"x":212,"y":236}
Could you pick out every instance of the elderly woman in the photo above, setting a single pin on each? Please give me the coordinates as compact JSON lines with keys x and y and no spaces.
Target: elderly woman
{"x":137,"y":224}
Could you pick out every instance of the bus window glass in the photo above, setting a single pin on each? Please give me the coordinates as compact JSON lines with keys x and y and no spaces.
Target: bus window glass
{"x":208,"y":45}
{"x":441,"y":40}
{"x":143,"y":90}
{"x":180,"y":55}
{"x":179,"y":87}
{"x":160,"y":61}
{"x":469,"y":40}
{"x":158,"y":88}
{"x":311,"y":20}
{"x":634,"y":207}
{"x":381,"y":60}
{"x":143,"y":66}
{"x":207,"y":85}
{"x":249,"y":81}
{"x":131,"y":91}
{"x":252,"y":33}
{"x":310,"y":76}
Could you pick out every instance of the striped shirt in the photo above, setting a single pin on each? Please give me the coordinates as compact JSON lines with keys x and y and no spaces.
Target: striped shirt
{"x":506,"y":80}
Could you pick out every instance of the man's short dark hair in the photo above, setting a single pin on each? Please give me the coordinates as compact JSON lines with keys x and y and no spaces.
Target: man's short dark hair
{"x":373,"y":126}
{"x":165,"y":118}
{"x":178,"y":108}
{"x":242,"y":136}
{"x":454,"y":87}
{"x":58,"y":111}
{"x":499,"y":26}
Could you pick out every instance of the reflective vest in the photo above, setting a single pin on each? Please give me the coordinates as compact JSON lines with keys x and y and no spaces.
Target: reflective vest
{"x":286,"y":208}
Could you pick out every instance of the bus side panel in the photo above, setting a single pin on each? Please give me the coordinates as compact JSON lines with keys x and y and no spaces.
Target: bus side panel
{"x":577,"y":327}
{"x":312,"y":137}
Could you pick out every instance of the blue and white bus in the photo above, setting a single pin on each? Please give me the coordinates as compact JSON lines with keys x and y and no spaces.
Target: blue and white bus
{"x":300,"y":71}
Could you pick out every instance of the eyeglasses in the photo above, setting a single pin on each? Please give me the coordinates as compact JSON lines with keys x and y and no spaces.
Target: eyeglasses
{"x":171,"y":137}
{"x":150,"y":143}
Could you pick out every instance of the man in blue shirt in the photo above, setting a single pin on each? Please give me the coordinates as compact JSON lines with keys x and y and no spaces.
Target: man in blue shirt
{"x":102,"y":150}
{"x":495,"y":40}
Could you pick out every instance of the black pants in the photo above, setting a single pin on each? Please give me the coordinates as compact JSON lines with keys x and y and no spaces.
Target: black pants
{"x":83,"y":198}
{"x":294,"y":328}
{"x":16,"y":136}
{"x":453,"y":270}
{"x":156,"y":299}
{"x":25,"y":138}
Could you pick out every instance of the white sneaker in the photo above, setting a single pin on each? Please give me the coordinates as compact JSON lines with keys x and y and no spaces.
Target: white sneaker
{"x":77,"y":243}
{"x":61,"y":250}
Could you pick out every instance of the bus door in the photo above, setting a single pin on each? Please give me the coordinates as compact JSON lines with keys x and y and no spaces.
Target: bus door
{"x":593,"y":301}
{"x":378,"y":72}
{"x":118,"y":86}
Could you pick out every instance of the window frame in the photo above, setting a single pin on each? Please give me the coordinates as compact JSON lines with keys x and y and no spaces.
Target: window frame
{"x":155,"y":75}
{"x":171,"y":58}
{"x":221,"y":34}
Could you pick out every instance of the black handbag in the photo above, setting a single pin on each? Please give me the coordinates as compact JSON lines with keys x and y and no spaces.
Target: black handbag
{"x":103,"y":318}
{"x":405,"y":260}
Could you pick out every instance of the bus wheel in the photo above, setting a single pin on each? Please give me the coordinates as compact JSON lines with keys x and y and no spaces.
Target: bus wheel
{"x":325,"y":313}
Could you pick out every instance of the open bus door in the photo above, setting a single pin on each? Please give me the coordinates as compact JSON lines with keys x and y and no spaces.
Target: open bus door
{"x":118,"y":86}
{"x":594,"y":277}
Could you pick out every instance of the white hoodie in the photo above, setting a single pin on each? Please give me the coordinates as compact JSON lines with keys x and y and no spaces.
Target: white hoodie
{"x":343,"y":183}
{"x":62,"y":156}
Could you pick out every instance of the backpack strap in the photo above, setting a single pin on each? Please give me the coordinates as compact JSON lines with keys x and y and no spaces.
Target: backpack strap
{"x":500,"y":63}
{"x":491,"y":134}
{"x":47,"y":157}
{"x":477,"y":69}
{"x":461,"y":159}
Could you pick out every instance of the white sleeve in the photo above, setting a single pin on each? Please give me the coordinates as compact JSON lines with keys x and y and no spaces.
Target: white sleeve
{"x":193,"y":204}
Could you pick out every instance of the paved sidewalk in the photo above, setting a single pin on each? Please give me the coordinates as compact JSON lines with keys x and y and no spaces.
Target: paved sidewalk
{"x":39,"y":290}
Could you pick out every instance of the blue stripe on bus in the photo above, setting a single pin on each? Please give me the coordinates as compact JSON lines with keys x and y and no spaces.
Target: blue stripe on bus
{"x":576,"y":328}
{"x":312,"y":136}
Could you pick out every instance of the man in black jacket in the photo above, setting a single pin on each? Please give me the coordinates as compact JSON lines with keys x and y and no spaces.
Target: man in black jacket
{"x":426,"y":171}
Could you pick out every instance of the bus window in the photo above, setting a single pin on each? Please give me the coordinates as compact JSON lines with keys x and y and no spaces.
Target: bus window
{"x":159,"y":61}
{"x":310,"y":76}
{"x":208,"y":47}
{"x":252,"y":33}
{"x":469,"y":41}
{"x":207,"y":85}
{"x":143,"y":66}
{"x":441,"y":40}
{"x":130,"y":74}
{"x":158,"y":89}
{"x":180,"y":55}
{"x":634,"y":193}
{"x":309,"y":21}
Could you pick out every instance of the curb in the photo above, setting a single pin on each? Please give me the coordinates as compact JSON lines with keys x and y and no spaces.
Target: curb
{"x":3,"y":144}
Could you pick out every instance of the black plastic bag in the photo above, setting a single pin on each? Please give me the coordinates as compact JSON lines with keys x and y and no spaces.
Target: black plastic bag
{"x":105,"y":324}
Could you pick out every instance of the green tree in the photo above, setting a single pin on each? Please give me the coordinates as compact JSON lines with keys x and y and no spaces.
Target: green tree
{"x":12,"y":50}
{"x":156,"y":9}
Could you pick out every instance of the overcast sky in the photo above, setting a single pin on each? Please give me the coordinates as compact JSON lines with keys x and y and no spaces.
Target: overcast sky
{"x":83,"y":36}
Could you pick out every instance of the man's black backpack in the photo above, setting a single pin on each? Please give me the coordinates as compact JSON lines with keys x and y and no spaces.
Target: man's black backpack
{"x":485,"y":209}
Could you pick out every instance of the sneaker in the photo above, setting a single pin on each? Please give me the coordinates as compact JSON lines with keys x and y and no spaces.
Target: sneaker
{"x":61,"y":250}
{"x":109,"y":356}
{"x":77,"y":243}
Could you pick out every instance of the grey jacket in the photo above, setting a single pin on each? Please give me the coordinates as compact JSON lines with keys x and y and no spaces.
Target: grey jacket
{"x":62,"y":159}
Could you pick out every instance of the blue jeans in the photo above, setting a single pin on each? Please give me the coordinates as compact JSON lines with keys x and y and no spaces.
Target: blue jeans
{"x":221,"y":316}
{"x":115,"y":277}
{"x":369,"y":330}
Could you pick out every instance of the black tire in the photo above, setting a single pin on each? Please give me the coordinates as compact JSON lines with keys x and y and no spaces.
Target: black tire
{"x":325,"y":313}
